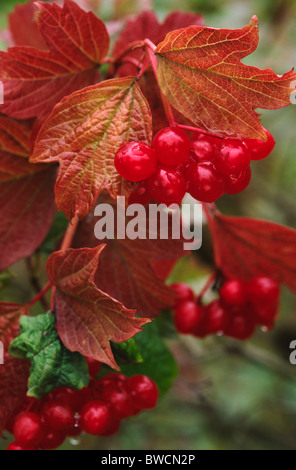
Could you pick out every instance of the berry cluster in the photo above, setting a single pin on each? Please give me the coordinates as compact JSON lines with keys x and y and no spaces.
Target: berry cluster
{"x":97,"y":409}
{"x":236,"y":313}
{"x":207,"y":168}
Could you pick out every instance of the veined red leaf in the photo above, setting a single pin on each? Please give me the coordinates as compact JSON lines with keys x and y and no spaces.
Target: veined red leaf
{"x":23,"y":26}
{"x":246,"y":247}
{"x":35,"y":80}
{"x":9,"y":321}
{"x":87,"y":317}
{"x":83,"y":133}
{"x":26,"y":195}
{"x":201,"y":74}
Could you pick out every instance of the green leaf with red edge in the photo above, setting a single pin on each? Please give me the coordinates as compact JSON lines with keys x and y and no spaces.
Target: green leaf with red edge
{"x":23,"y":26}
{"x":35,"y":80}
{"x":246,"y":247}
{"x":133,"y":271}
{"x":26,"y":195}
{"x":201,"y":74}
{"x":88,"y":318}
{"x":83,"y":133}
{"x":14,"y":373}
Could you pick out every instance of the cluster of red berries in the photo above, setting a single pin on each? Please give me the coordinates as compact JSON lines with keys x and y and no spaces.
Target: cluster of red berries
{"x":97,"y":409}
{"x":207,"y":168}
{"x":236,"y":313}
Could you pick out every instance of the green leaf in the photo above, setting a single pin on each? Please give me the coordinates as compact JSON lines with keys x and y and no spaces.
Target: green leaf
{"x":52,"y":364}
{"x":158,"y":362}
{"x":127,"y":352}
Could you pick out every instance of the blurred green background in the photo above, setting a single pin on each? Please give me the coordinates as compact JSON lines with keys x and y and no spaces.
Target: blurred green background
{"x":228,"y":395}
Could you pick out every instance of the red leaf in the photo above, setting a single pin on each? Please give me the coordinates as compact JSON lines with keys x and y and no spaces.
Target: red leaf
{"x":201,"y":74}
{"x":14,"y":373}
{"x":26,"y":195}
{"x":87,"y":317}
{"x":133,"y":271}
{"x":246,"y":247}
{"x":35,"y":80}
{"x":23,"y":26}
{"x":83,"y":133}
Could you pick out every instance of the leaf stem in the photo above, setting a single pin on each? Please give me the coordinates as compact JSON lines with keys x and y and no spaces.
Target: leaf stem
{"x":40,"y":295}
{"x":208,"y":284}
{"x":197,"y":129}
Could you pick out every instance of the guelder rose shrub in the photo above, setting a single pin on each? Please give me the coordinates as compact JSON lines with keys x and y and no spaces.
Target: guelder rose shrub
{"x":170,"y":109}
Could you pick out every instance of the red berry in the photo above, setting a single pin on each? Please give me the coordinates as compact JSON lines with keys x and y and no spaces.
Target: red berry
{"x":95,"y":416}
{"x":233,"y":293}
{"x":263,"y":290}
{"x":67,"y":396}
{"x":112,"y":427}
{"x":259,"y":149}
{"x":187,"y":315}
{"x":140,"y":195}
{"x":135,"y":161}
{"x":52,"y":439}
{"x":172,"y":146}
{"x":236,"y":184}
{"x":16,"y":446}
{"x":182,"y":292}
{"x":28,"y":429}
{"x":234,"y":157}
{"x":143,"y":391}
{"x":266,"y":314}
{"x":203,"y":150}
{"x":241,"y":326}
{"x":57,"y":415}
{"x":118,"y":401}
{"x":94,"y":367}
{"x":216,"y":317}
{"x":204,"y":183}
{"x":167,"y":186}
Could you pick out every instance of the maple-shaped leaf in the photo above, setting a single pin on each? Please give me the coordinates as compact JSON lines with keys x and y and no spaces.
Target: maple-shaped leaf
{"x":52,"y":365}
{"x":246,"y":247}
{"x":83,"y":133}
{"x":133,"y":270}
{"x":35,"y":80}
{"x":201,"y":74}
{"x":146,"y":26}
{"x":23,"y":26}
{"x":26,"y":195}
{"x":88,"y":318}
{"x":14,"y":373}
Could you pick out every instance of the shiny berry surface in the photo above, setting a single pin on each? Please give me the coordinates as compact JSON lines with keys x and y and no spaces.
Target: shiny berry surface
{"x":260,"y":149}
{"x":234,"y":157}
{"x":57,"y":415}
{"x":28,"y":429}
{"x":135,"y":161}
{"x":204,"y":183}
{"x":172,"y":146}
{"x":233,"y":293}
{"x":94,"y":417}
{"x":167,"y":186}
{"x":186,"y":316}
{"x":143,"y":390}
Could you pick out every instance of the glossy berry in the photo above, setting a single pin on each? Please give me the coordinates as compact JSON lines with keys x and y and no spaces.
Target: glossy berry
{"x":172,"y":146}
{"x":94,"y":417}
{"x":263,"y":290}
{"x":203,"y":149}
{"x":260,"y":149}
{"x":28,"y":429}
{"x":140,"y":195}
{"x":187,"y":316}
{"x":52,"y":439}
{"x":216,"y":317}
{"x":167,"y":186}
{"x":266,"y":314}
{"x":111,"y":428}
{"x":135,"y":161}
{"x":236,"y":184}
{"x":233,"y":293}
{"x":241,"y":326}
{"x":57,"y":415}
{"x":118,"y":402}
{"x":143,"y":390}
{"x":183,"y":292}
{"x":93,"y":367}
{"x":234,"y":157}
{"x":204,"y":183}
{"x":68,"y":396}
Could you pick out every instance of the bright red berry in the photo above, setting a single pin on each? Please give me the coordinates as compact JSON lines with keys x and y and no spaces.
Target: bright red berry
{"x":143,"y":391}
{"x":234,"y":157}
{"x":52,"y":439}
{"x":203,"y":149}
{"x":183,"y":292}
{"x":140,"y":195}
{"x":95,"y":416}
{"x":135,"y":161}
{"x":67,"y":396}
{"x":204,"y":183}
{"x":118,"y":401}
{"x":167,"y":186}
{"x":57,"y":415}
{"x":94,"y":367}
{"x":263,"y":290}
{"x":28,"y":429}
{"x":187,"y":315}
{"x":172,"y":146}
{"x":258,"y":148}
{"x":112,"y":427}
{"x":266,"y":314}
{"x":236,"y":184}
{"x":241,"y":326}
{"x":216,"y":317}
{"x":233,"y":293}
